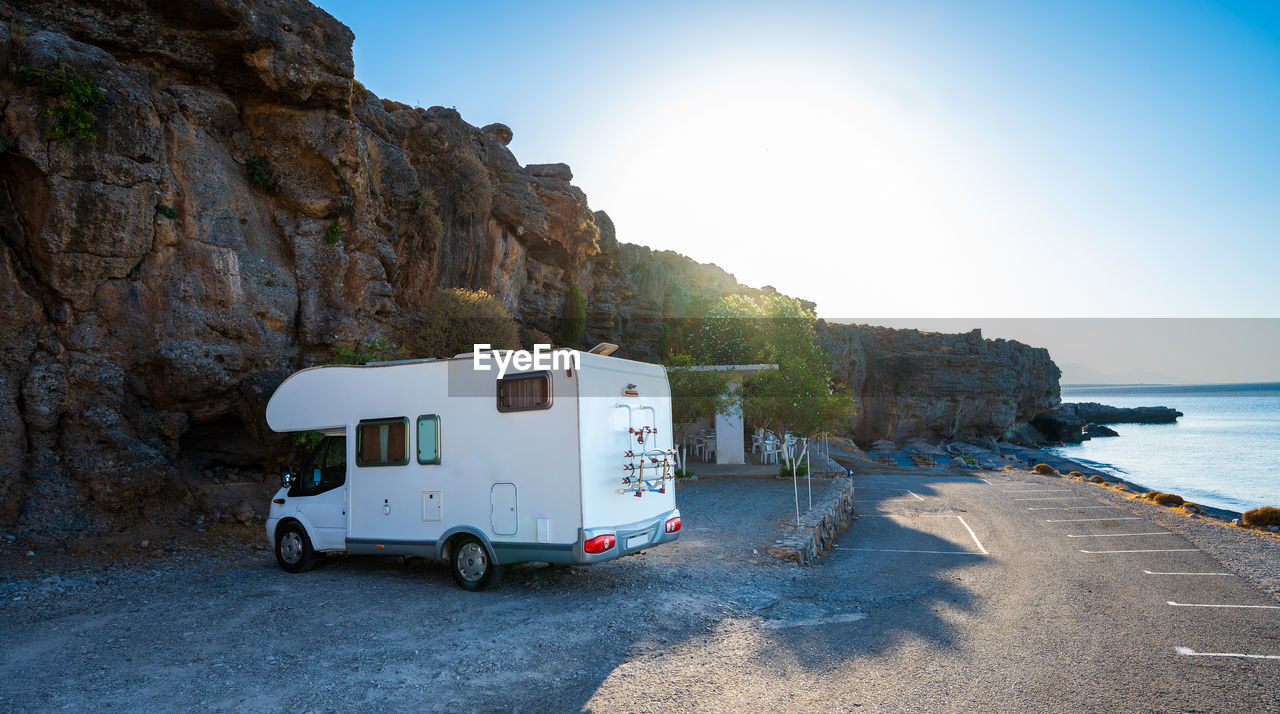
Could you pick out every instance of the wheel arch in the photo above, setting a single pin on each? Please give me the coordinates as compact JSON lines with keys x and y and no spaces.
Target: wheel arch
{"x":300,"y":520}
{"x":447,"y":540}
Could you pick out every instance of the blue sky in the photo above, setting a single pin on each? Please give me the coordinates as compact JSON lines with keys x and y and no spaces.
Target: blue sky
{"x":895,"y":160}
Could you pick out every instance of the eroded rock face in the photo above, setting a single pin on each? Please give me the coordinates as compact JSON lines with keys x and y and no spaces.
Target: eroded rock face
{"x":908,"y":383}
{"x":245,"y":206}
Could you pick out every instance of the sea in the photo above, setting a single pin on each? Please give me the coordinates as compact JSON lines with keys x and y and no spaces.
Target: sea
{"x":1225,"y":451}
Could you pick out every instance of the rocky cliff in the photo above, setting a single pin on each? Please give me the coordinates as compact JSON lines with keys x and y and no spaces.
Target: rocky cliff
{"x":938,"y":386}
{"x":239,"y":205}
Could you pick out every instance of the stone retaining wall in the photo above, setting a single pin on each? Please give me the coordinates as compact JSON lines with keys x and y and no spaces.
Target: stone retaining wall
{"x":819,"y":527}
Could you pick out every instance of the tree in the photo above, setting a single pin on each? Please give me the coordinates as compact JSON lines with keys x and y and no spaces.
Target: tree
{"x":801,"y":397}
{"x":697,"y":393}
{"x":459,"y":319}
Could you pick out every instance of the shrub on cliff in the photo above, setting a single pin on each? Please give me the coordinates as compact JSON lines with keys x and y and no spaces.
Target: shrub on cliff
{"x":459,"y":319}
{"x":573,"y":320}
{"x":1261,"y":517}
{"x":73,"y":96}
{"x":1045,"y":470}
{"x":469,"y":187}
{"x":375,"y":349}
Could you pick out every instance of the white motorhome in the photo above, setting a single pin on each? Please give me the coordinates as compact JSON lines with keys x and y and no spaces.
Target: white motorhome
{"x":436,"y":458}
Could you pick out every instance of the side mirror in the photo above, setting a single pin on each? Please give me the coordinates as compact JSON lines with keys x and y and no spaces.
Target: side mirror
{"x":286,"y":478}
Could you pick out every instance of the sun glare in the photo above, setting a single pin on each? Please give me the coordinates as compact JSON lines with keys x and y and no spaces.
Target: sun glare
{"x":782,"y":164}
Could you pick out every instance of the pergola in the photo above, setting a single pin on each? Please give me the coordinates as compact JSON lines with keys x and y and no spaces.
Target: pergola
{"x":730,"y":435}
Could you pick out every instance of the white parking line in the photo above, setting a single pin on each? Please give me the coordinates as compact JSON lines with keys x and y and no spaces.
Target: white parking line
{"x":840,"y":619}
{"x":884,"y":488}
{"x":971,"y":533}
{"x":1192,"y":653}
{"x":1118,"y":535}
{"x":1067,"y":508}
{"x":1043,"y":490}
{"x":1081,"y":520}
{"x":1158,"y":550}
{"x":1148,"y":572}
{"x":988,"y":482}
{"x":897,"y":550}
{"x":1192,"y":604}
{"x":1053,"y":498}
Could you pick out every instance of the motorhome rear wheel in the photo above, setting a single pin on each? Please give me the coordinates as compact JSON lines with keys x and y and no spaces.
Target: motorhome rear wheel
{"x":473,"y":569}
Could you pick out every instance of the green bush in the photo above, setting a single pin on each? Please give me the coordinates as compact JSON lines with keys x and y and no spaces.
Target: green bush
{"x":333,"y":234}
{"x":573,"y":320}
{"x":167,"y":211}
{"x":1045,"y":470}
{"x":74,"y":95}
{"x":376,"y":349}
{"x":459,"y":319}
{"x":307,"y":441}
{"x":800,"y":470}
{"x":1261,"y":517}
{"x":7,"y":142}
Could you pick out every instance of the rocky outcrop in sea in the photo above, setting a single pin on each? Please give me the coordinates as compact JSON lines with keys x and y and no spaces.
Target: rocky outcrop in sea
{"x":1074,"y":422}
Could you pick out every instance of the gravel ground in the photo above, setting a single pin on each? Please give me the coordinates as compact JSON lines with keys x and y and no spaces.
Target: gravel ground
{"x":219,"y":626}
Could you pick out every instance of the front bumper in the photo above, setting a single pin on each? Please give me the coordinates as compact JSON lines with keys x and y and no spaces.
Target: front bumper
{"x":632,"y":538}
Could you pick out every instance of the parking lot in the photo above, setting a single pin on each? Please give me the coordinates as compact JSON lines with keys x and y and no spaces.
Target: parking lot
{"x":1007,"y":591}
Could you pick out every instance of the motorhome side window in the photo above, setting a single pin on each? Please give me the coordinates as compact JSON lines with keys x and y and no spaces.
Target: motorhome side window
{"x":523,"y":392}
{"x":429,"y":439}
{"x":382,"y":442}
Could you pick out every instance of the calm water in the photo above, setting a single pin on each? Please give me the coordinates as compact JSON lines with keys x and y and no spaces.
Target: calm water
{"x":1225,"y":452}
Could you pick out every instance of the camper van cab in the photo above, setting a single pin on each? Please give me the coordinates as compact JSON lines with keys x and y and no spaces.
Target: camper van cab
{"x":438,"y":459}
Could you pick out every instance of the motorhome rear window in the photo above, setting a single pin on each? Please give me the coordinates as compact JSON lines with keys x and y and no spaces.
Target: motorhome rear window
{"x":429,"y":439}
{"x":382,"y":442}
{"x":523,"y":392}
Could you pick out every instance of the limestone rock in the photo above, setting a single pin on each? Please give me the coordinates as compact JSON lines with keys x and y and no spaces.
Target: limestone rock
{"x":501,"y":133}
{"x":938,"y":386}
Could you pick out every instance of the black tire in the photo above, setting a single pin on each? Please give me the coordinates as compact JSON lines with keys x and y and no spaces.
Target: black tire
{"x":294,"y":553}
{"x":471,"y":565}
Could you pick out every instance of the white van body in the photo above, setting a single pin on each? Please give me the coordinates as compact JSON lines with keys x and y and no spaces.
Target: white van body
{"x":531,"y":485}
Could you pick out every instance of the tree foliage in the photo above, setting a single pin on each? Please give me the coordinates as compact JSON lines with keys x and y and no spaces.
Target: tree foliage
{"x":458,"y":319}
{"x":800,"y":396}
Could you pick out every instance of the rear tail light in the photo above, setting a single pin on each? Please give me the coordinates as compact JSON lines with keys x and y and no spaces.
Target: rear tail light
{"x":600,"y":544}
{"x":673,"y":525}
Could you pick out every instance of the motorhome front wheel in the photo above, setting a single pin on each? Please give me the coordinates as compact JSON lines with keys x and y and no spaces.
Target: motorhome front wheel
{"x":293,"y":549}
{"x":473,"y":569}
